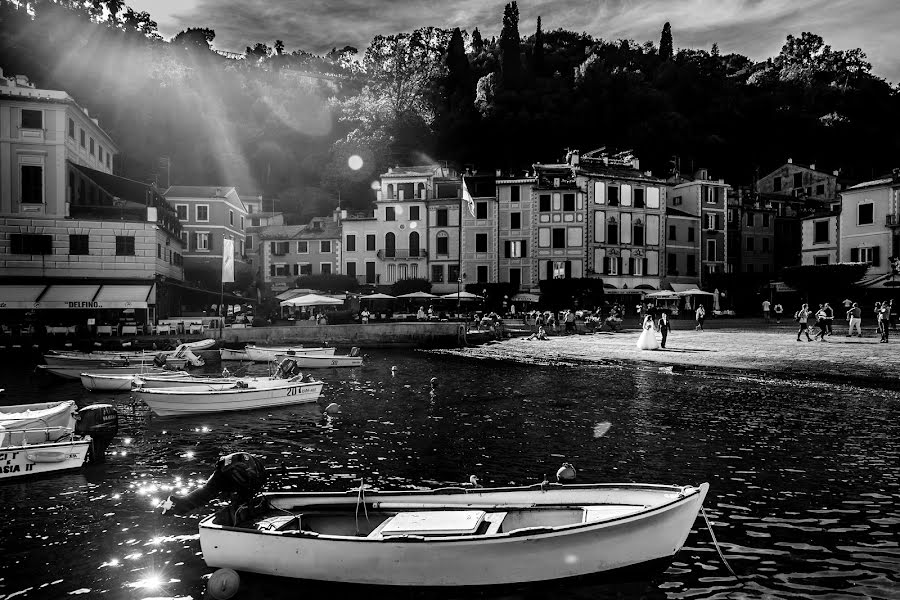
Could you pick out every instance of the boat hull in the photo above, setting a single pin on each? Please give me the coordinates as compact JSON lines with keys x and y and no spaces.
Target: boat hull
{"x":40,"y":459}
{"x":188,"y":401}
{"x":75,"y":371}
{"x":646,"y":537}
{"x":268,"y":354}
{"x":207,"y":383}
{"x":112,"y":382}
{"x":312,"y":361}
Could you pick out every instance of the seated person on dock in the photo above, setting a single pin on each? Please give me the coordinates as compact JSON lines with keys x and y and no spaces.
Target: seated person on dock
{"x":540,"y":335}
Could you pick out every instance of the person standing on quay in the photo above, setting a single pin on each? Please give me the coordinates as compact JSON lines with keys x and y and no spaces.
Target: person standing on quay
{"x":821,"y":321}
{"x":700,"y":315}
{"x":885,"y":325}
{"x":663,"y":327}
{"x":829,"y":319}
{"x":765,"y":306}
{"x":802,"y":317}
{"x":855,"y":316}
{"x":878,"y":318}
{"x":778,"y":310}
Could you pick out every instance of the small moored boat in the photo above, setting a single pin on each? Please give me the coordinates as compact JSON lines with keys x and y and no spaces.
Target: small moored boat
{"x":315,"y":361}
{"x":255,"y":353}
{"x":119,"y":382}
{"x":454,"y":537}
{"x":75,"y":371}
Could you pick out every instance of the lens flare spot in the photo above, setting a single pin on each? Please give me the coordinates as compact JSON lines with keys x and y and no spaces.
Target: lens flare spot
{"x":571,"y":559}
{"x":412,"y":225}
{"x":355,"y":162}
{"x":398,"y":210}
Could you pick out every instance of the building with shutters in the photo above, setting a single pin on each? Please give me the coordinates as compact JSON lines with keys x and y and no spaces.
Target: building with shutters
{"x":445,"y":208}
{"x":287,"y":252}
{"x":515,"y":228}
{"x":625,"y":210}
{"x":869,"y":223}
{"x":558,"y":225}
{"x":821,"y":237}
{"x":479,"y":246}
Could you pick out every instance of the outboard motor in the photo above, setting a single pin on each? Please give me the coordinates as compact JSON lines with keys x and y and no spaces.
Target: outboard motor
{"x":241,"y":475}
{"x":101,"y":422}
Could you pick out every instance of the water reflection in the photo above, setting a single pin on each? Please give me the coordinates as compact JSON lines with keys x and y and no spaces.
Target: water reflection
{"x":804,"y":478}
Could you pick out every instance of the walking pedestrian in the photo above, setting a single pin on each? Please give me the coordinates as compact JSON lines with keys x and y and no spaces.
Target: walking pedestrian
{"x":878,"y":318}
{"x":855,"y":316}
{"x":570,"y":321}
{"x":700,"y":316}
{"x":778,"y":310}
{"x":765,"y":306}
{"x":802,"y":317}
{"x":663,"y":327}
{"x":885,"y":321}
{"x":821,"y":324}
{"x":829,"y":319}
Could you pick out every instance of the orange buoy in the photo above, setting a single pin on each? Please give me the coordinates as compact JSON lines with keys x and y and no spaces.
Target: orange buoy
{"x":223,"y":584}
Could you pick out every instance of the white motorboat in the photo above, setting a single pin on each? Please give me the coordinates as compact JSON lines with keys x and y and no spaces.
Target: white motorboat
{"x":119,"y":382}
{"x":315,"y":361}
{"x":455,"y":537}
{"x":287,"y":369}
{"x":255,"y":353}
{"x":48,"y":437}
{"x":75,"y":371}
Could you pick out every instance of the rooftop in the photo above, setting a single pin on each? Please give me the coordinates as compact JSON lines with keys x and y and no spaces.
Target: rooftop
{"x":198,"y":191}
{"x":329,"y":231}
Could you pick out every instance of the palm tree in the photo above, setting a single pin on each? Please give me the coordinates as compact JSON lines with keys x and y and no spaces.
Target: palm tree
{"x":114,"y":7}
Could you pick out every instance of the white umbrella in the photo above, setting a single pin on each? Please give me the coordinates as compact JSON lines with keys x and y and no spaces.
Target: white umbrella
{"x":414,"y":295}
{"x":662,"y":294}
{"x":378,"y":297}
{"x":462,"y":296}
{"x":311,"y":300}
{"x":695,"y":292}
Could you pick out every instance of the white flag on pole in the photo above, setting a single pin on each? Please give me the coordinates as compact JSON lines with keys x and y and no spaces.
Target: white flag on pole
{"x":228,"y":261}
{"x":468,"y":198}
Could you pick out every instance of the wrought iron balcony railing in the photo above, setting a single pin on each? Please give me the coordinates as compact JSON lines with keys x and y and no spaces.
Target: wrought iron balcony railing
{"x":401,"y":253}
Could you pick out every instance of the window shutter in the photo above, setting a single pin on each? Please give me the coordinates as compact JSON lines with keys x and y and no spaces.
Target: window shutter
{"x":193,"y":241}
{"x":568,"y":269}
{"x":273,"y":247}
{"x":718,"y":220}
{"x":605,"y":265}
{"x":272,"y":270}
{"x":210,"y":238}
{"x":876,"y":256}
{"x":646,"y":264}
{"x":630,"y":266}
{"x":524,"y":249}
{"x":506,"y":249}
{"x":854,"y":254}
{"x":619,"y":264}
{"x":549,"y":269}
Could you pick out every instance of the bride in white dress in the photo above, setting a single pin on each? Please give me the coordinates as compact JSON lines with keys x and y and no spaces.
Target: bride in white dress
{"x":647,"y":341}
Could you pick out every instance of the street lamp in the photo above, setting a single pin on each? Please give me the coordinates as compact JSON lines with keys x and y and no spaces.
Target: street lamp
{"x":459,"y":281}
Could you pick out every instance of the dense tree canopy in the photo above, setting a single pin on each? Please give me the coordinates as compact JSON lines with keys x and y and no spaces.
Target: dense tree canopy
{"x":284,"y":123}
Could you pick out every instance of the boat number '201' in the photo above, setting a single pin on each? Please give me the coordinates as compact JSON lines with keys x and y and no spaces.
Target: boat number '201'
{"x":292,"y":391}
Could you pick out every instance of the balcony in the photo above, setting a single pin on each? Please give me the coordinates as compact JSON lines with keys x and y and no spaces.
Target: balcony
{"x":892,"y":220}
{"x":401,"y":254}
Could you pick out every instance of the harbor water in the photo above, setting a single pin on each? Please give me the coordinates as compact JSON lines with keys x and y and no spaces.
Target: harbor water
{"x":805,"y":478}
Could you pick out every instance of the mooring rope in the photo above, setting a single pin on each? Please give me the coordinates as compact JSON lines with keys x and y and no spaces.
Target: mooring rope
{"x":361,"y":499}
{"x":716,"y":544}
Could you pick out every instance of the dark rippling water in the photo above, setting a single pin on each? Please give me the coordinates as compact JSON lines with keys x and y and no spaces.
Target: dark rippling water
{"x":804,"y":496}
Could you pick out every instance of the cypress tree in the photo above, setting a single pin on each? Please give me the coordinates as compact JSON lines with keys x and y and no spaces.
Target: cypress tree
{"x":666,"y":50}
{"x":511,"y":64}
{"x":537,"y":53}
{"x":477,"y":42}
{"x":459,"y":70}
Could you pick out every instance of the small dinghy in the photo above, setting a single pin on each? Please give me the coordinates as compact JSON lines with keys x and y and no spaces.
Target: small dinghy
{"x":75,"y":371}
{"x":316,"y":361}
{"x":263,"y":354}
{"x":450,"y":536}
{"x":119,"y":382}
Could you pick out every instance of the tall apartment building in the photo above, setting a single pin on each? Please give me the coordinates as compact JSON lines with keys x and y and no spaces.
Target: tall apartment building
{"x":558,"y":223}
{"x":515,"y":208}
{"x":479,"y":247}
{"x":76,"y":241}
{"x":291,"y":251}
{"x":445,"y":208}
{"x":706,"y":199}
{"x":869,"y":223}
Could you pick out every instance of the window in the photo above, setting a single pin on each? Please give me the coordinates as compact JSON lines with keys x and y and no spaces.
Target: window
{"x":710,"y":250}
{"x":184,"y":238}
{"x":637,"y":234}
{"x":732,"y":215}
{"x":231,"y":217}
{"x":672,"y":264}
{"x":390,"y":191}
{"x":482,"y":273}
{"x":92,"y":147}
{"x":241,"y":247}
{"x":414,"y":244}
{"x":158,"y":250}
{"x":305,"y":269}
{"x":325,"y":246}
{"x":612,"y":232}
{"x":78,"y":244}
{"x":242,"y":222}
{"x":691,"y":265}
{"x":442,"y":217}
{"x":481,"y":242}
{"x":515,"y":193}
{"x":765,"y":218}
{"x":820,"y":232}
{"x":124,"y":245}
{"x":249,"y":242}
{"x":712,"y":221}
{"x":443,"y":243}
{"x":202,"y":241}
{"x":639,"y":197}
{"x":30,"y":243}
{"x":370,"y":242}
{"x":559,"y":237}
{"x":798,"y":180}
{"x":108,"y":160}
{"x":749,"y":244}
{"x":302,"y":248}
{"x":611,"y":265}
{"x":820,"y":260}
{"x":390,"y":244}
{"x":569,"y":202}
{"x":32,"y":119}
{"x":544,"y":203}
{"x":515,"y":220}
{"x":691,"y":233}
{"x":32,"y":183}
{"x":390,"y":214}
{"x":612,"y":197}
{"x":351,"y":243}
{"x":201,"y":213}
{"x":865,"y":214}
{"x":72,"y":128}
{"x":413,"y":213}
{"x":749,"y":220}
{"x":325,"y":268}
{"x":453,"y":273}
{"x":673,"y":233}
{"x":351,"y":269}
{"x":437,"y":273}
{"x":765,"y":244}
{"x":676,"y":201}
{"x":871,"y":255}
{"x":636,"y":266}
{"x":776,"y":184}
{"x":83,"y":137}
{"x":182,"y":211}
{"x":296,"y":269}
{"x":820,"y":191}
{"x":481,"y":210}
{"x":254,"y":222}
{"x":514,"y":249}
{"x":100,"y":153}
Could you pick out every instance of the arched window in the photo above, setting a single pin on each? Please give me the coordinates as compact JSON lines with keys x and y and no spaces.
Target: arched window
{"x":414,"y":243}
{"x":420,"y":192}
{"x":390,"y":244}
{"x":443,"y":243}
{"x":390,"y":191}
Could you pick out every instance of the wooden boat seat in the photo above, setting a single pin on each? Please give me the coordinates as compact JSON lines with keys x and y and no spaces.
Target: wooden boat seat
{"x":279,"y":523}
{"x":430,"y":523}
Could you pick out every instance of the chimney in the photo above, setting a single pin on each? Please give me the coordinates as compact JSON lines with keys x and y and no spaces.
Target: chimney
{"x":576,"y":158}
{"x":812,"y":166}
{"x":790,"y":161}
{"x":499,"y":173}
{"x":836,"y":172}
{"x":635,"y":164}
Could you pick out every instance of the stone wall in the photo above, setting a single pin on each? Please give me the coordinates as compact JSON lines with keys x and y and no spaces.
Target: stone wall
{"x":371,"y":335}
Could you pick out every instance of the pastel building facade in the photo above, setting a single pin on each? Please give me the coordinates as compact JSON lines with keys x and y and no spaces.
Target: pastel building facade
{"x":288,"y":252}
{"x":445,"y":209}
{"x":869,"y":223}
{"x":559,"y":223}
{"x":515,"y":207}
{"x":480,"y":236}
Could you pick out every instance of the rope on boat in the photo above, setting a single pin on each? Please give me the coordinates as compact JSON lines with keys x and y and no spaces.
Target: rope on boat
{"x":716,"y":543}
{"x":361,"y":499}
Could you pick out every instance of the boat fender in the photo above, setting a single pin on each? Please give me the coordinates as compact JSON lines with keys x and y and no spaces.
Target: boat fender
{"x":241,"y":475}
{"x":333,"y":408}
{"x":565,"y":472}
{"x":223,"y":584}
{"x":434,"y":382}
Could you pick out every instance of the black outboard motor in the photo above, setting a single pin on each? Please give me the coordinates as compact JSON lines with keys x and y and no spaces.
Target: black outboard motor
{"x":241,"y":475}
{"x":101,"y":422}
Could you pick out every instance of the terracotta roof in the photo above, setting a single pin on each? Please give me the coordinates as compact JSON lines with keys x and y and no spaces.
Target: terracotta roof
{"x":419,"y":170}
{"x":197,"y":191}
{"x":674,"y":212}
{"x":873,"y":183}
{"x":300,"y":232}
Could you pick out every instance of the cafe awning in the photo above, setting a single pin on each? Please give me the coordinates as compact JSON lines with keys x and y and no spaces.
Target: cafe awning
{"x":79,"y":296}
{"x":20,"y":296}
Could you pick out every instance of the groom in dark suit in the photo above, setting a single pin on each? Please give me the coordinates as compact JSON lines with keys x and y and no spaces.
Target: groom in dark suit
{"x":663,"y":327}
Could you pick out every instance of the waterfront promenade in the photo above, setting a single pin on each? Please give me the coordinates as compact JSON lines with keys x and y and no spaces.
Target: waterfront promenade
{"x":742,"y":347}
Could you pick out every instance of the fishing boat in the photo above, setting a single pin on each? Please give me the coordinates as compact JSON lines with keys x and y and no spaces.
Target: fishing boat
{"x":316,"y":361}
{"x":455,"y":536}
{"x":287,"y":369}
{"x":75,"y":371}
{"x":120,"y":382}
{"x":255,"y":353}
{"x":48,"y":437}
{"x":84,"y":359}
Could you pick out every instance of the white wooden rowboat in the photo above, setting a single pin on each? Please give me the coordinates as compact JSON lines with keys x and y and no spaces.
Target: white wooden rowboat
{"x":315,"y":361}
{"x":75,"y":371}
{"x":119,"y":382}
{"x":268,"y":353}
{"x":38,"y":459}
{"x":231,"y":396}
{"x":39,"y":438}
{"x":457,"y":537}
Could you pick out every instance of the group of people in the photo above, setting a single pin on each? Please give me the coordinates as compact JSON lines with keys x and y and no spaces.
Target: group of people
{"x":824,"y":320}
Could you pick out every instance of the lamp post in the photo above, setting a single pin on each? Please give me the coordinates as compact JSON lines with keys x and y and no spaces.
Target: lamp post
{"x":459,"y":281}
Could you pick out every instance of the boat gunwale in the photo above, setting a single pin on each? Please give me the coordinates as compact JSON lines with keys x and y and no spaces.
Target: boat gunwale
{"x":182,"y":391}
{"x":515,"y":534}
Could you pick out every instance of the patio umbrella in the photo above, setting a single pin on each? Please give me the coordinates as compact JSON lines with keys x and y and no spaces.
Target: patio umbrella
{"x":377,"y":297}
{"x":461,"y":296}
{"x":311,"y":300}
{"x":526,"y":297}
{"x":695,"y":292}
{"x":414,"y":295}
{"x":662,"y":294}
